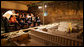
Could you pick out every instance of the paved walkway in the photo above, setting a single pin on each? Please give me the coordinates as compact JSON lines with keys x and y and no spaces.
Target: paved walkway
{"x":30,"y":42}
{"x":34,"y":43}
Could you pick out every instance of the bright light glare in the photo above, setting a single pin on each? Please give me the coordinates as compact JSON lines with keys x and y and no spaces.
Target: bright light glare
{"x":40,"y":7}
{"x":45,"y":6}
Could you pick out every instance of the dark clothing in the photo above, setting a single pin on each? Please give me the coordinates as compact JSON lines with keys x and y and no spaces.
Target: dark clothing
{"x":21,"y":23}
{"x":26,"y":20}
{"x":37,"y":21}
{"x":18,"y":19}
{"x":16,"y":25}
{"x":23,"y":19}
{"x":5,"y":20}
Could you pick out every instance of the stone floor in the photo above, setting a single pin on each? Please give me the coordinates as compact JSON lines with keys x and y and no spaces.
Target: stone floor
{"x":26,"y":42}
{"x":30,"y":42}
{"x":34,"y":43}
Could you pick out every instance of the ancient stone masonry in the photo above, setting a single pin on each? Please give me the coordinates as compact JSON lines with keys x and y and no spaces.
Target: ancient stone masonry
{"x":61,"y":11}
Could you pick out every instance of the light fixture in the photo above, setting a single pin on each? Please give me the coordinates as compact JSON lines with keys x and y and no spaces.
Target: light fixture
{"x":40,"y":7}
{"x":45,"y":6}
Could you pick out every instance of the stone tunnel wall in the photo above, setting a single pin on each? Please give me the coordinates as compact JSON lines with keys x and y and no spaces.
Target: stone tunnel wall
{"x":60,"y":11}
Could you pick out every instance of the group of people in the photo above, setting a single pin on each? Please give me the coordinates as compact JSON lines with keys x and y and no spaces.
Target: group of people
{"x":22,"y":19}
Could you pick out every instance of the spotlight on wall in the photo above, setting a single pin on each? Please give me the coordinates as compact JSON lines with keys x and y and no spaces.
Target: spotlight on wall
{"x":45,"y":6}
{"x":40,"y":7}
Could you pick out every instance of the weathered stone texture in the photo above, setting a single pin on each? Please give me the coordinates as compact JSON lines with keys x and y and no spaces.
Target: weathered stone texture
{"x":61,"y":11}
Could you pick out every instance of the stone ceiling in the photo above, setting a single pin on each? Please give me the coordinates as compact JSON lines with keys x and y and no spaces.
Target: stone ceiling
{"x":25,"y":2}
{"x":30,"y":2}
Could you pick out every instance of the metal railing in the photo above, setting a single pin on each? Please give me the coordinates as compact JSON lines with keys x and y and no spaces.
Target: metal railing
{"x":55,"y":40}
